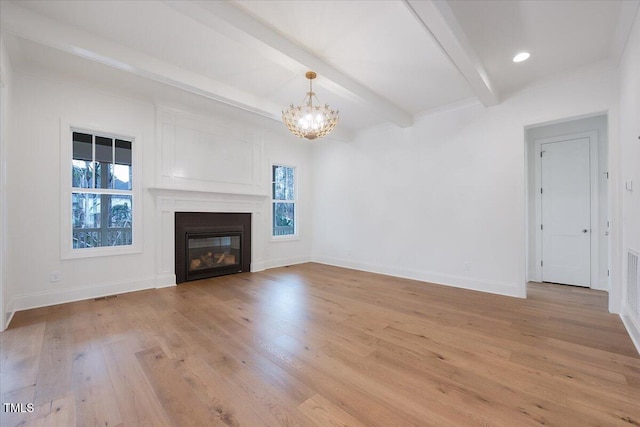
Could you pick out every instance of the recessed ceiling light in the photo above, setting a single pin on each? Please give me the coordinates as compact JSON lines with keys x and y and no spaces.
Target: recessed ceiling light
{"x":522,"y":56}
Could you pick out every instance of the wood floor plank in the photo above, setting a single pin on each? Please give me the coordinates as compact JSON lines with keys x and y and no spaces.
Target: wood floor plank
{"x":325,"y":413}
{"x":221,"y":393}
{"x":19,"y":363}
{"x":316,"y":345}
{"x":96,"y":400}
{"x":184,"y":407}
{"x":56,"y":357}
{"x":60,"y":412}
{"x":137,"y":403}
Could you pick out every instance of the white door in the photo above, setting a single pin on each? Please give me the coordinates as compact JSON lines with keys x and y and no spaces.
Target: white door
{"x":566,"y":212}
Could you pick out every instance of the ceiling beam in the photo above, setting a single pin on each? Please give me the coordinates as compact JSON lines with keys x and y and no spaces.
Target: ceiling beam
{"x":37,"y":28}
{"x":241,"y":26}
{"x":438,"y":20}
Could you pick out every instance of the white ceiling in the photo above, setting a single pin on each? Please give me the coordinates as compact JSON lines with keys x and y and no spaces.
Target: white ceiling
{"x":376,"y":60}
{"x":561,"y":36}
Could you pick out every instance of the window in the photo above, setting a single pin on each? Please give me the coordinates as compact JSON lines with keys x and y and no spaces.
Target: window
{"x":101,"y":191}
{"x":284,"y":200}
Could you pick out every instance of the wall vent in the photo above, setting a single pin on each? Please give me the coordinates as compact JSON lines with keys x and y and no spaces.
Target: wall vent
{"x":632,"y":281}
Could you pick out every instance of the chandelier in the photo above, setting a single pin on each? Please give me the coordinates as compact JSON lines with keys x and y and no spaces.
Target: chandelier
{"x":310,"y":121}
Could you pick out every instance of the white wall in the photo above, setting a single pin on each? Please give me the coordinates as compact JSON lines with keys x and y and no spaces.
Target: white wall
{"x":444,"y":201}
{"x":41,"y":103}
{"x":597,"y":124}
{"x":6,"y":84}
{"x":630,"y":164}
{"x":34,"y":195}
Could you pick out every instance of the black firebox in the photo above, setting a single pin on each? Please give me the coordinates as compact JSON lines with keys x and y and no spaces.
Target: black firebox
{"x":211,"y":244}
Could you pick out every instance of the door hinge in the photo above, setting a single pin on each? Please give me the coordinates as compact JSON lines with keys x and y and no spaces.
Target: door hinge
{"x":541,"y":227}
{"x":608,"y":273}
{"x":540,"y":190}
{"x":541,"y":263}
{"x":541,"y":153}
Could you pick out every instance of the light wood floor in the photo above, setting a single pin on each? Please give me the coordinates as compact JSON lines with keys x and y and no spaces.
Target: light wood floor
{"x":313,"y":345}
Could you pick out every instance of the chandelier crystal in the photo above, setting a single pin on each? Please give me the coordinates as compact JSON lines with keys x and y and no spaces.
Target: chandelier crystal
{"x":310,"y":121}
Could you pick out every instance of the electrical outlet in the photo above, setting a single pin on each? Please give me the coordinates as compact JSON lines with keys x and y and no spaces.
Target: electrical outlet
{"x":55,"y":276}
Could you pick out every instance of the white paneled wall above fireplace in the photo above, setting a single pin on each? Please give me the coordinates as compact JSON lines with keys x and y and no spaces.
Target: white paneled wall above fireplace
{"x":208,"y":154}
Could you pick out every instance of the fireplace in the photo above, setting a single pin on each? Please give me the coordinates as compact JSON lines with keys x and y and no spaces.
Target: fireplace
{"x":211,"y":244}
{"x":213,"y":254}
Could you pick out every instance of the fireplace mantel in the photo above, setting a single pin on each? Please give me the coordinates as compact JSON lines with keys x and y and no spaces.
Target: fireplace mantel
{"x":168,"y":201}
{"x":178,"y":192}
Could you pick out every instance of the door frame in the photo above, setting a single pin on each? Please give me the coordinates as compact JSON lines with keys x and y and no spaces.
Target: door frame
{"x":594,"y":202}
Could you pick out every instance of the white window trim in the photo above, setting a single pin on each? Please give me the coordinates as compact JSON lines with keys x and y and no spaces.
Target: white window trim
{"x":295,"y":235}
{"x":66,"y":153}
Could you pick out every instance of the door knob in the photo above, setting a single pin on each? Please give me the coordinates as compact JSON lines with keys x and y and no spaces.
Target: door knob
{"x":585,"y":230}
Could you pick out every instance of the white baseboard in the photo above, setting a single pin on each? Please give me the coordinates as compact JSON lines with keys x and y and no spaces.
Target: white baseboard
{"x":280,"y":262}
{"x":534,"y":278}
{"x":632,"y":324}
{"x":61,"y":296}
{"x":8,"y":316}
{"x":257,"y":266}
{"x":600,"y":287}
{"x":494,"y":287}
{"x":165,"y":281}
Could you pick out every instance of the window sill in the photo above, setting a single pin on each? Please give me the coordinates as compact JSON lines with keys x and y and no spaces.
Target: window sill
{"x":100,"y":252}
{"x":291,"y":238}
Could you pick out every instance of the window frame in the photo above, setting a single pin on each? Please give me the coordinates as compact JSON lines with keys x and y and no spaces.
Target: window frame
{"x":295,"y":235}
{"x":67,"y":251}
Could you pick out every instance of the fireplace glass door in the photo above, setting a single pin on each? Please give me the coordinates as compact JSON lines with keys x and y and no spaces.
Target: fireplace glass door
{"x":213,"y":254}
